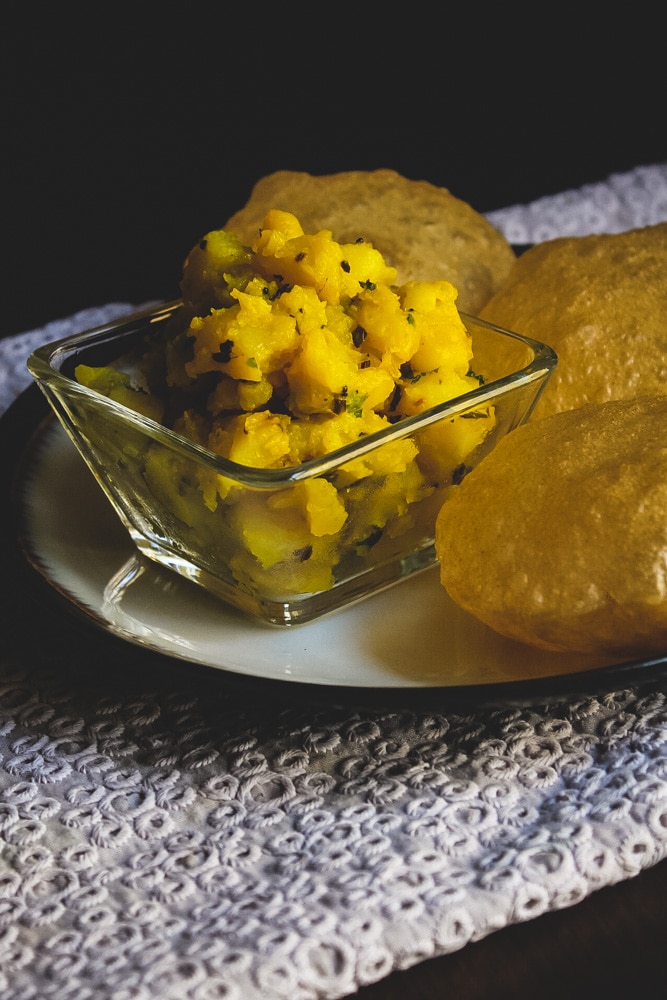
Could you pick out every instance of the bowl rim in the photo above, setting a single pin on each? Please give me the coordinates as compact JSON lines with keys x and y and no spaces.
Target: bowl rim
{"x":42,"y":360}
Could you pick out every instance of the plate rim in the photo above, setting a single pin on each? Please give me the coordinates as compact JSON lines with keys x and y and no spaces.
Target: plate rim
{"x":22,"y":422}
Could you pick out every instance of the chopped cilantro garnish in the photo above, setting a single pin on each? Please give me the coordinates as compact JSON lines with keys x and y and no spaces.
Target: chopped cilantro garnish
{"x":355,"y":403}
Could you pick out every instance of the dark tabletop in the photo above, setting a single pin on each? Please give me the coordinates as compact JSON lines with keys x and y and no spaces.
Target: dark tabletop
{"x":610,"y":945}
{"x":125,"y":144}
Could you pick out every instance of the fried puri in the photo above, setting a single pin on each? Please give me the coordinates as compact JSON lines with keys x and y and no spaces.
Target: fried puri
{"x":422,"y":230}
{"x":601,"y":302}
{"x":558,"y":538}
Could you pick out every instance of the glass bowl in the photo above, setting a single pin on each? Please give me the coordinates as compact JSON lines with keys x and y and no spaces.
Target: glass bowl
{"x":288,"y":545}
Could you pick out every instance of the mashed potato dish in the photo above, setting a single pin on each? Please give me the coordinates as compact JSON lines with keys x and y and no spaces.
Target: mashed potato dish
{"x":287,"y":351}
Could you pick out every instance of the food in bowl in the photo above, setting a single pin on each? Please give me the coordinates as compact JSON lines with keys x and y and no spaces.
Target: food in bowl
{"x":558,"y":538}
{"x":285,"y":435}
{"x":601,"y":302}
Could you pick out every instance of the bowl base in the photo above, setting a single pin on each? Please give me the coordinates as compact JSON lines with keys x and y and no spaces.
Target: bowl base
{"x":295,"y":609}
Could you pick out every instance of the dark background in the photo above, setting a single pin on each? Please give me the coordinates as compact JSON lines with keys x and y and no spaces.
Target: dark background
{"x":125,"y":144}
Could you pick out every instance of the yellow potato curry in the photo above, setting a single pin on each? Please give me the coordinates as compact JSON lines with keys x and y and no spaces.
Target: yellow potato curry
{"x":284,"y":352}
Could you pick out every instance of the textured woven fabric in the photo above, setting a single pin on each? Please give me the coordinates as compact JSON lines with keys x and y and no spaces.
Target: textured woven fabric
{"x":163,"y":836}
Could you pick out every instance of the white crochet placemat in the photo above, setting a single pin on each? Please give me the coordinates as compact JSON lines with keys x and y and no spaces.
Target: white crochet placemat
{"x":164,"y":840}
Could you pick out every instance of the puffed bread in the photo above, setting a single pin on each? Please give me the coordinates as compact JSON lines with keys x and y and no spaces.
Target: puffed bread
{"x":558,"y":538}
{"x":422,"y":230}
{"x":600,"y":302}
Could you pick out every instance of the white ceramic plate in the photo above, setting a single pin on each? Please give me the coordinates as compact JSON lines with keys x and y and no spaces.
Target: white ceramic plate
{"x":410,"y":636}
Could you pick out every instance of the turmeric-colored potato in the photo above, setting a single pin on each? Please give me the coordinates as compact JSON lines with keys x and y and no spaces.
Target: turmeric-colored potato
{"x":283,"y":353}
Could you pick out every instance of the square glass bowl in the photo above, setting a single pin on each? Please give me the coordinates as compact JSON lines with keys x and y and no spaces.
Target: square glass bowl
{"x":288,"y":545}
